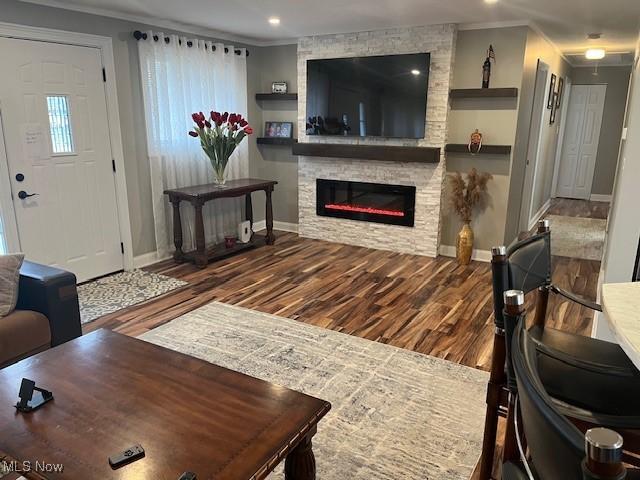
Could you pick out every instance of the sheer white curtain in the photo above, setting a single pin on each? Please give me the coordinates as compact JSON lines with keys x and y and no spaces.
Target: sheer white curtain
{"x":178,"y":80}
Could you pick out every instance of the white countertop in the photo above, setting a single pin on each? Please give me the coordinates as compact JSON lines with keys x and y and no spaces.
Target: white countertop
{"x":621,"y":307}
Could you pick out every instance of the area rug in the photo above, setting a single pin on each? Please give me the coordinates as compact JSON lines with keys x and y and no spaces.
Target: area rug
{"x":396,"y":414}
{"x":121,"y":290}
{"x":577,"y":237}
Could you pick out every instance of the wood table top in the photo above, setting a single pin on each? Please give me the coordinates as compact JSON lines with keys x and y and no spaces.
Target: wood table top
{"x":621,"y":307}
{"x":112,"y":391}
{"x":232,"y":188}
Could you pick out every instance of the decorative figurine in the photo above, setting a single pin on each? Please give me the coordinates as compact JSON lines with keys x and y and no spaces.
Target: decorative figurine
{"x":486,"y":67}
{"x":475,"y":142}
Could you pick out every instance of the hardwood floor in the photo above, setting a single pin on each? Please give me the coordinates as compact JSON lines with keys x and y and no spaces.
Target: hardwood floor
{"x":431,"y":306}
{"x":578,"y":208}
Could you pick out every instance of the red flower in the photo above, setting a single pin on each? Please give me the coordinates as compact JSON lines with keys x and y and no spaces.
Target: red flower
{"x":225,"y":116}
{"x":193,"y":134}
{"x":233,"y":118}
{"x":248,"y":130}
{"x":207,"y":123}
{"x":243,"y":122}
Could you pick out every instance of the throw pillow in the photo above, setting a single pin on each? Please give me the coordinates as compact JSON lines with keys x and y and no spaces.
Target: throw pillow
{"x":9,"y":279}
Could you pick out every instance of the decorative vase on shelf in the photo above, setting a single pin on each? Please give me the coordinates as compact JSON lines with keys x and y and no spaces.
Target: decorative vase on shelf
{"x":464,"y":245}
{"x":219,"y":136}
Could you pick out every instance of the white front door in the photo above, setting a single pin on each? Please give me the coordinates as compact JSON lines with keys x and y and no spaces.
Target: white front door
{"x":581,"y":137}
{"x":56,"y":133}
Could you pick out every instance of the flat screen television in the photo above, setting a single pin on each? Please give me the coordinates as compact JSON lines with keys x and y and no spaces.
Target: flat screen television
{"x":379,"y":96}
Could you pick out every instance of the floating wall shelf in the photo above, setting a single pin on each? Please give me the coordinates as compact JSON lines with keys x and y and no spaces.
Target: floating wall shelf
{"x":368,"y":152}
{"x":484,"y":93}
{"x":275,"y":141}
{"x":276,"y":96}
{"x":485,"y":150}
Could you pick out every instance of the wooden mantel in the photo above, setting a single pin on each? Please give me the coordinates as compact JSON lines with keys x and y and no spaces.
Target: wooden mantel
{"x":389,"y":153}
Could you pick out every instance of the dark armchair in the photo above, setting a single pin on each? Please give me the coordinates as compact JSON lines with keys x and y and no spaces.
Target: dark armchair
{"x":46,"y":315}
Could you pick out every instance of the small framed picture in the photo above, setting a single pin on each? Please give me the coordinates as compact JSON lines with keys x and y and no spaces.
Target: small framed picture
{"x":552,"y":90}
{"x":560,"y":90}
{"x":278,"y":129}
{"x":279,"y":87}
{"x":554,"y":109}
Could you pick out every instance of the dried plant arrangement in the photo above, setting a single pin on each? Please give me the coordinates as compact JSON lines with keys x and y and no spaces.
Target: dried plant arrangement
{"x":466,"y":195}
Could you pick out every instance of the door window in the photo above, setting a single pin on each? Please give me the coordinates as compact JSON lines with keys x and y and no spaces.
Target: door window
{"x":60,"y":124}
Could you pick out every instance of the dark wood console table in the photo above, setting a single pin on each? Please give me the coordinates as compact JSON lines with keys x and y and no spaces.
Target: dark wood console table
{"x":198,"y":196}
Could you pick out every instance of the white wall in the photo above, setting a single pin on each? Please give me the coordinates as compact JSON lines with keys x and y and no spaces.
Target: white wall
{"x":624,"y":220}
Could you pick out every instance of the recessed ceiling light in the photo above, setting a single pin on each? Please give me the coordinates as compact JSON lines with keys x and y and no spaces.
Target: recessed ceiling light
{"x":415,"y":71}
{"x":490,"y":2}
{"x":274,"y":21}
{"x":595,"y":53}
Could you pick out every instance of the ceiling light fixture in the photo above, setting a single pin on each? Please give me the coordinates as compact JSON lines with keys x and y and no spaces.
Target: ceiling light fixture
{"x":415,"y":72}
{"x":490,"y":2}
{"x":595,"y":54}
{"x":274,"y":21}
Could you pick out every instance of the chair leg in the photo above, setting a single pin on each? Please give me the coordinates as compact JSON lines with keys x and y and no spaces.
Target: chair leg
{"x":542,"y":302}
{"x":495,"y":387}
{"x":510,"y":450}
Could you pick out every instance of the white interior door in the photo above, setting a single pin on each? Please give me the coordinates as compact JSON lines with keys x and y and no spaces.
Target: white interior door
{"x":56,"y":134}
{"x":535,"y":132}
{"x":581,"y":137}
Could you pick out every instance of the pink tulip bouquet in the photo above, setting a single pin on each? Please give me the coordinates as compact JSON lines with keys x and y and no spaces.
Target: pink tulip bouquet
{"x":219,"y":135}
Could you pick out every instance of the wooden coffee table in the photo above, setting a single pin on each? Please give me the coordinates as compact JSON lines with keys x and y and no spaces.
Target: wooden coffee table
{"x":112,"y":391}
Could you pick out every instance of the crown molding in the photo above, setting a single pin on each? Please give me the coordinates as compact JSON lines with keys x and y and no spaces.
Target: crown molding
{"x":489,"y":25}
{"x":162,"y":23}
{"x":536,"y":28}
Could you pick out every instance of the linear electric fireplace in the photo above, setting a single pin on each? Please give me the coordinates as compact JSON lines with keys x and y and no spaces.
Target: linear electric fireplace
{"x":368,"y":202}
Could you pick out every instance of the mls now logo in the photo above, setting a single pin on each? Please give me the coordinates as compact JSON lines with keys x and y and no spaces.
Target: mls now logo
{"x":28,"y":466}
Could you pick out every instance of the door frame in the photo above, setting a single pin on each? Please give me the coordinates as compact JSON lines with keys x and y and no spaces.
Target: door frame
{"x":531,"y":168}
{"x":105,"y":46}
{"x":563,"y":125}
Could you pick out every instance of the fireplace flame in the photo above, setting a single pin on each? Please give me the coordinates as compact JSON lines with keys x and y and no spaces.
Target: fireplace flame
{"x":355,"y":208}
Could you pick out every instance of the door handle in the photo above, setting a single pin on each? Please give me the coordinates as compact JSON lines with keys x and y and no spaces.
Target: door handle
{"x":22,"y":195}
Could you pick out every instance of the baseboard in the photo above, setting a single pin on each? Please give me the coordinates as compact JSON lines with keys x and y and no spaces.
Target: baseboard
{"x":539,"y":214}
{"x":277,"y":225}
{"x":147,"y":259}
{"x":597,"y":197}
{"x":478,"y":255}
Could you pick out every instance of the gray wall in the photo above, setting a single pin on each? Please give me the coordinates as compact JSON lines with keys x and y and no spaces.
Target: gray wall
{"x":537,"y":48}
{"x":129,"y":98}
{"x":270,"y":161}
{"x":617,"y":81}
{"x":495,"y":118}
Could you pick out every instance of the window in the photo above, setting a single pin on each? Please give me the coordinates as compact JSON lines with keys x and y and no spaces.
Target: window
{"x":60,"y":124}
{"x":3,"y":247}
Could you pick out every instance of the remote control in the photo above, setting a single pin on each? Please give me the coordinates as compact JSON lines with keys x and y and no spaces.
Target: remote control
{"x":188,"y":476}
{"x":129,"y":455}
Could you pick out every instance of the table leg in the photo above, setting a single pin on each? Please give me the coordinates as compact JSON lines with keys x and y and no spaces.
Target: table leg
{"x":270,"y":238}
{"x":201,"y":254}
{"x":177,"y":230}
{"x":248,"y":206}
{"x":300,"y":464}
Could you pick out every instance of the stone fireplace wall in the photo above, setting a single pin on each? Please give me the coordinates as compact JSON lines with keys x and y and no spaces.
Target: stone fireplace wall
{"x":424,"y":238}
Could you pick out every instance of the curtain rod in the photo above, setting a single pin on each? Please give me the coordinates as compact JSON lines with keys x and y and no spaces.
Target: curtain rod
{"x":138,"y":35}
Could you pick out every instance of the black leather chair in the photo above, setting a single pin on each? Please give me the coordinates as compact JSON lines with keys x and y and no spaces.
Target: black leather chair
{"x":585,"y":373}
{"x":557,"y":450}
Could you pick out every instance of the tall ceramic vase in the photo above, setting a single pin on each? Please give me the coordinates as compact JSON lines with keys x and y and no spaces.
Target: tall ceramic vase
{"x":464,"y":245}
